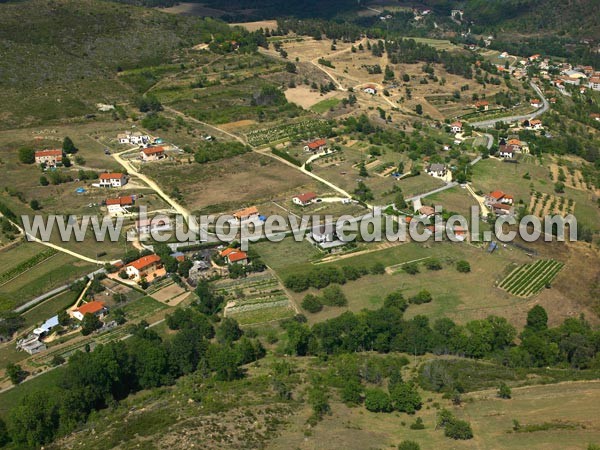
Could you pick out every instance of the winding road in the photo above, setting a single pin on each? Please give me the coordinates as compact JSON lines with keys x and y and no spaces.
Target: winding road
{"x":491,"y":122}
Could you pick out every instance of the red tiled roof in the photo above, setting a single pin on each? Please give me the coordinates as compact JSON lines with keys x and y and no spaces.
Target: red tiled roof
{"x":153,"y":150}
{"x":122,"y":201}
{"x":145,"y":261}
{"x":228,"y":251}
{"x":456,"y":124}
{"x":111,"y":175}
{"x":316,"y":144}
{"x":91,"y":307}
{"x":55,"y":152}
{"x":237,"y":256}
{"x":246,"y":212}
{"x":503,"y":206}
{"x":306,"y":197}
{"x":497,"y":195}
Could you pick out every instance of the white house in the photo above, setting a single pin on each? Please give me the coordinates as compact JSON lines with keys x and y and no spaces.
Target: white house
{"x":370,"y":90}
{"x":142,"y":267}
{"x":536,"y":103}
{"x":152,"y":153}
{"x":119,"y":205}
{"x":316,"y":146}
{"x":456,"y":127}
{"x":304,"y":199}
{"x":112,"y":179}
{"x":135,"y":138}
{"x":594,"y":83}
{"x":94,"y":307}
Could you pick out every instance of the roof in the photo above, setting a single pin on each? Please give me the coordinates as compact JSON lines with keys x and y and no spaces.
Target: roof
{"x":153,"y":150}
{"x":535,"y":122}
{"x":306,"y":197}
{"x":111,"y":175}
{"x":246,"y":212}
{"x":122,"y":201}
{"x":92,"y":307}
{"x":456,"y":124}
{"x":502,"y":206}
{"x":145,"y":261}
{"x":496,"y":195}
{"x":237,"y":256}
{"x":228,"y":251}
{"x":47,"y":325}
{"x":482,"y":103}
{"x":595,"y":80}
{"x":514,"y":141}
{"x":55,"y":152}
{"x":427,"y":210}
{"x":536,"y":100}
{"x":437,"y":167}
{"x":316,"y":144}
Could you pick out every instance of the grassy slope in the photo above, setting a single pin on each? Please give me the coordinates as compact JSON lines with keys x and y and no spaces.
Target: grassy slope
{"x":67,"y":55}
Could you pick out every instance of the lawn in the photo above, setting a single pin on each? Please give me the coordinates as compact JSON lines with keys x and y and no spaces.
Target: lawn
{"x":325,"y":105}
{"x":456,"y":200}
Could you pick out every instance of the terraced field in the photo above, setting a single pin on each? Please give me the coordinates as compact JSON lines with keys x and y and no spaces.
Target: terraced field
{"x":255,"y":299}
{"x":529,"y":279}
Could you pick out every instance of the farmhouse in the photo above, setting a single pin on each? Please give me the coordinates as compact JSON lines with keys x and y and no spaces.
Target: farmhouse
{"x":154,"y":225}
{"x":316,"y":145}
{"x":533,"y":124}
{"x":482,"y":105}
{"x":49,"y":157}
{"x":536,"y":103}
{"x":119,"y":205}
{"x":437,"y":170}
{"x":427,"y":211}
{"x":144,"y":267}
{"x":135,"y":138}
{"x":370,"y":90}
{"x":503,"y":209}
{"x":112,"y":179}
{"x":234,"y":256}
{"x":456,"y":127}
{"x":506,"y":151}
{"x":94,"y":307}
{"x":246,"y":214}
{"x":152,"y":153}
{"x":304,"y":199}
{"x":498,"y":197}
{"x":325,"y":236}
{"x":594,"y":83}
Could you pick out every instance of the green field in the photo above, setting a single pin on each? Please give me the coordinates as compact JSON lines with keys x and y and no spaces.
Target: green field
{"x":529,"y":279}
{"x":325,"y":105}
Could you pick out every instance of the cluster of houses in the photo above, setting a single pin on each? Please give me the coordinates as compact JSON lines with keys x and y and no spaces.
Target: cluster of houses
{"x":135,"y":138}
{"x":500,"y":203}
{"x":508,"y":148}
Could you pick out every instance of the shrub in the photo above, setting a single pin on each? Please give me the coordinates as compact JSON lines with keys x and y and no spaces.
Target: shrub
{"x":418,"y":424}
{"x":411,"y":268}
{"x":333,"y":296}
{"x":378,"y":269}
{"x":312,"y":303}
{"x":504,"y":391}
{"x":377,"y":400}
{"x":463,"y":266}
{"x":409,"y":445}
{"x":424,"y":296}
{"x":433,"y":264}
{"x":458,"y":429}
{"x":27,"y":155}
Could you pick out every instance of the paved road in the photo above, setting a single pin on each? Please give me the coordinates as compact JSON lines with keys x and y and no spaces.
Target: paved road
{"x":539,"y":112}
{"x":34,"y":301}
{"x":435,"y":191}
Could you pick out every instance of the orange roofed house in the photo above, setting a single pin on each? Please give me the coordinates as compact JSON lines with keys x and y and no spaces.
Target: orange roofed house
{"x":234,"y":256}
{"x":145,"y":267}
{"x":119,"y":205}
{"x":152,"y":153}
{"x":304,"y":199}
{"x":95,"y":307}
{"x":49,"y":157}
{"x":112,"y":179}
{"x":498,"y":197}
{"x":246,"y":213}
{"x":316,"y":146}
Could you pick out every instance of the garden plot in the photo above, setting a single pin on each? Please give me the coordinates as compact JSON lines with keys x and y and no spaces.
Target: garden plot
{"x":529,"y":279}
{"x":543,"y":204}
{"x":255,"y":299}
{"x":306,"y":129}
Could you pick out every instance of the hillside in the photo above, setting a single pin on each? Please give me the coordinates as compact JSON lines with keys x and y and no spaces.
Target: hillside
{"x":66,"y":59}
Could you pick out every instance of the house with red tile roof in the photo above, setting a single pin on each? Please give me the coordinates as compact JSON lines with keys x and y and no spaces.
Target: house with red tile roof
{"x":118,"y":205}
{"x":94,"y":307}
{"x":246,"y":213}
{"x":316,"y":146}
{"x":152,"y":153}
{"x":49,"y":157}
{"x":112,"y":179}
{"x":456,"y":127}
{"x":234,"y":256}
{"x":496,"y":197}
{"x":482,"y":105}
{"x":143,"y":267}
{"x":304,"y":199}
